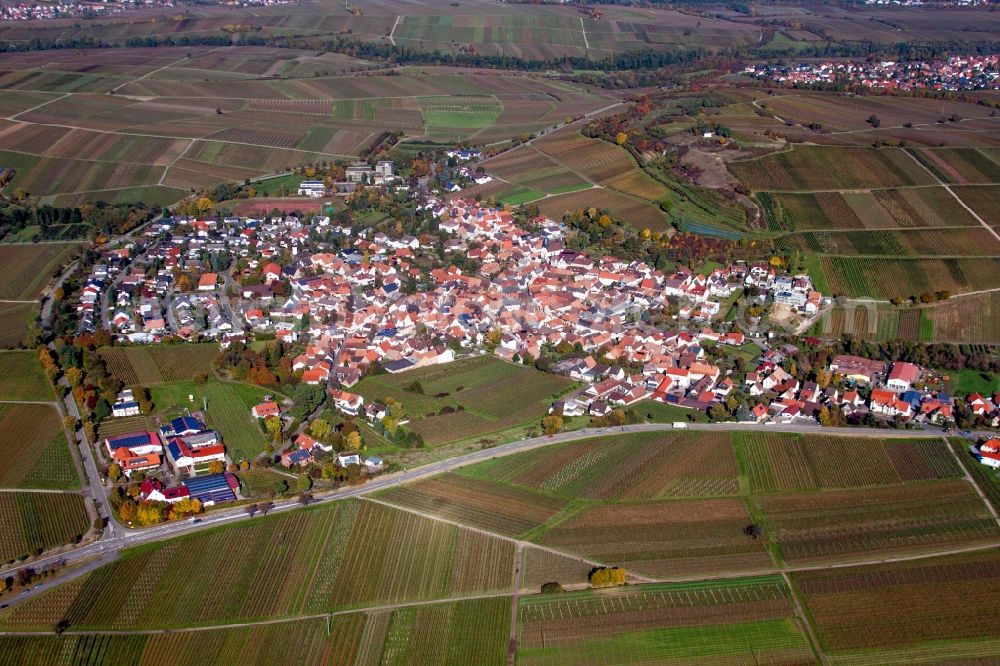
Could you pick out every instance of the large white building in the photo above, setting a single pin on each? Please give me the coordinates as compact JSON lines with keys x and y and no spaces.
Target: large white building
{"x":312,"y":188}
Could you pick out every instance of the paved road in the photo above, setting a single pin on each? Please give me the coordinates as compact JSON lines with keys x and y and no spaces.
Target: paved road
{"x":227,"y":306}
{"x":49,"y":302}
{"x":117,"y":537}
{"x":97,"y":490}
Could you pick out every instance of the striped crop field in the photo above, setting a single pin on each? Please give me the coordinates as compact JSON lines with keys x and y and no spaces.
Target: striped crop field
{"x":805,"y":168}
{"x":740,"y":621}
{"x":781,"y":462}
{"x":924,"y":611}
{"x":635,"y":466}
{"x":662,"y":538}
{"x":341,"y":556}
{"x":842,"y":525}
{"x":461,"y":632}
{"x":33,"y":444}
{"x":38,"y":521}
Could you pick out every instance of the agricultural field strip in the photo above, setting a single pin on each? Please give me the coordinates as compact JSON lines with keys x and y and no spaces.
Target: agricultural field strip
{"x":433,"y":469}
{"x":38,"y":106}
{"x":279,"y":620}
{"x":519,"y":542}
{"x":165,"y":136}
{"x":936,"y":125}
{"x":955,"y":196}
{"x":496,"y":595}
{"x":786,"y":568}
{"x":880,"y":188}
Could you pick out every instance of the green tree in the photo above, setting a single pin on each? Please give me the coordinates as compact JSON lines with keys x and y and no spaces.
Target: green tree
{"x":274,"y":427}
{"x":320,"y":429}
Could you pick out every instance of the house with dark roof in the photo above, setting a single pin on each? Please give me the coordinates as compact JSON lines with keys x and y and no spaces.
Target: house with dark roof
{"x":213,"y":488}
{"x":186,"y":457}
{"x":183,"y":425}
{"x":137,"y":443}
{"x":297,"y":457}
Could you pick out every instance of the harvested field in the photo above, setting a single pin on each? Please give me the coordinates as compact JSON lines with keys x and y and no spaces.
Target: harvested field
{"x":303,"y":563}
{"x":477,"y":502}
{"x":842,"y":524}
{"x":779,"y":462}
{"x":16,"y":320}
{"x":639,"y":214}
{"x":720,"y":622}
{"x":28,"y":268}
{"x":971,"y":319}
{"x":663,"y":538}
{"x":926,"y":608}
{"x":828,"y":168}
{"x":34,"y":448}
{"x":637,"y":466}
{"x":21,"y":377}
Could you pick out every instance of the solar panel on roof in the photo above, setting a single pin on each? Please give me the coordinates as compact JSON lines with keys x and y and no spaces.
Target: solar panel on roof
{"x":128,"y":441}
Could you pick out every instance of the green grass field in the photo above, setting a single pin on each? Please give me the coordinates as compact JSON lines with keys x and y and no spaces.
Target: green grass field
{"x":21,"y":377}
{"x":15,"y":321}
{"x":229,"y":406}
{"x":467,"y":398}
{"x":974,"y":381}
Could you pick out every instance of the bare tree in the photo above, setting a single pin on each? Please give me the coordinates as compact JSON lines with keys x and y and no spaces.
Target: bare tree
{"x":753,"y":531}
{"x":305,"y":499}
{"x":252,"y":510}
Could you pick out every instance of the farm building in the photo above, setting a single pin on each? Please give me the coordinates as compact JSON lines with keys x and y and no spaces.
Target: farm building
{"x":183,"y":425}
{"x":312,"y":188}
{"x":186,"y":457}
{"x":213,"y":488}
{"x":125,"y":404}
{"x":902,"y":377}
{"x":856,"y":368}
{"x":136,"y":443}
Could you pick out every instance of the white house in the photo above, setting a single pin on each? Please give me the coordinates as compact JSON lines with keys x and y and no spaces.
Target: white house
{"x":351,"y":458}
{"x":349,"y":403}
{"x":989,"y":453}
